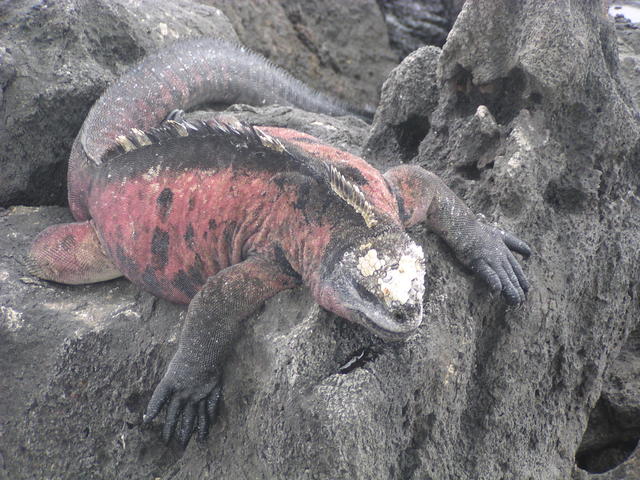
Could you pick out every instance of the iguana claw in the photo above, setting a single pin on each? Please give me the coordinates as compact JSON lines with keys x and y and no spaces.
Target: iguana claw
{"x":191,"y":397}
{"x":493,"y":261}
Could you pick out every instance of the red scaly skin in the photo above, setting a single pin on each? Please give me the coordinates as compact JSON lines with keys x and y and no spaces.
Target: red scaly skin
{"x":198,"y":234}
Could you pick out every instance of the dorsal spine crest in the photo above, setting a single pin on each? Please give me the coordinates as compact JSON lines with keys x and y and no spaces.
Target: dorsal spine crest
{"x":172,"y":129}
{"x":351,"y":193}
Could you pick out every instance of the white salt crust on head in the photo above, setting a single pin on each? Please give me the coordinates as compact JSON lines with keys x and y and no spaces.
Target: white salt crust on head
{"x":397,"y":282}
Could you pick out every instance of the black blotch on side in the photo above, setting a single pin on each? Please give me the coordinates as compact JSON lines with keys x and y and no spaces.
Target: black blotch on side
{"x":195,"y":274}
{"x":125,"y":263}
{"x":192,"y":203}
{"x":198,"y":267}
{"x":189,"y":235}
{"x":283,"y":263}
{"x":164,"y":202}
{"x":188,"y":283}
{"x":303,"y":196}
{"x":229,"y":232}
{"x":151,"y":282}
{"x":212,"y":224}
{"x":404,"y":215}
{"x":160,"y":248}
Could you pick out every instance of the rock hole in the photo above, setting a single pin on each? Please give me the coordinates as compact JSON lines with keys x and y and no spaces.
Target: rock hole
{"x":358,"y":359}
{"x":410,"y":133}
{"x":603,"y":459}
{"x":535,"y":98}
{"x":504,"y":97}
{"x":134,"y":402}
{"x":507,"y":98}
{"x":469,"y":172}
{"x":563,"y":197}
{"x":613,"y":431}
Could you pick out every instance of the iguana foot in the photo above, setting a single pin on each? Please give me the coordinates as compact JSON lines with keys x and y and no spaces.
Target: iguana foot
{"x":490,"y":257}
{"x":192,"y":397}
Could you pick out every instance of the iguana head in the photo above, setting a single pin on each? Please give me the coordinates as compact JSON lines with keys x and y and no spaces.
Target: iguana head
{"x":379,"y":283}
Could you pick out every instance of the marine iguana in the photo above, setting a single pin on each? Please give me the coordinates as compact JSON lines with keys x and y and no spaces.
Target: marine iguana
{"x":224,"y":216}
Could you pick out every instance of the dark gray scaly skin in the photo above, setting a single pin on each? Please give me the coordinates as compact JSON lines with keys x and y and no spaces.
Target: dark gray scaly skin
{"x":223,"y":217}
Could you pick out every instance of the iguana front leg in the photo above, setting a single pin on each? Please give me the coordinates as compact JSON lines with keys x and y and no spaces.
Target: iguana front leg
{"x":192,"y":383}
{"x":486,"y":250}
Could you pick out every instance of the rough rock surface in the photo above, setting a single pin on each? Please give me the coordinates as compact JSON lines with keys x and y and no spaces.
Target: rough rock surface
{"x":482,"y":391}
{"x":335,"y":46}
{"x":611,"y":442}
{"x":545,"y":142}
{"x":614,"y":426}
{"x":409,"y":98}
{"x":415,"y":23}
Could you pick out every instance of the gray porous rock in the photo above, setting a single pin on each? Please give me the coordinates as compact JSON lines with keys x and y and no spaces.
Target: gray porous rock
{"x":482,"y":391}
{"x":534,"y":128}
{"x":409,"y":97}
{"x":610,"y":443}
{"x":55,"y":60}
